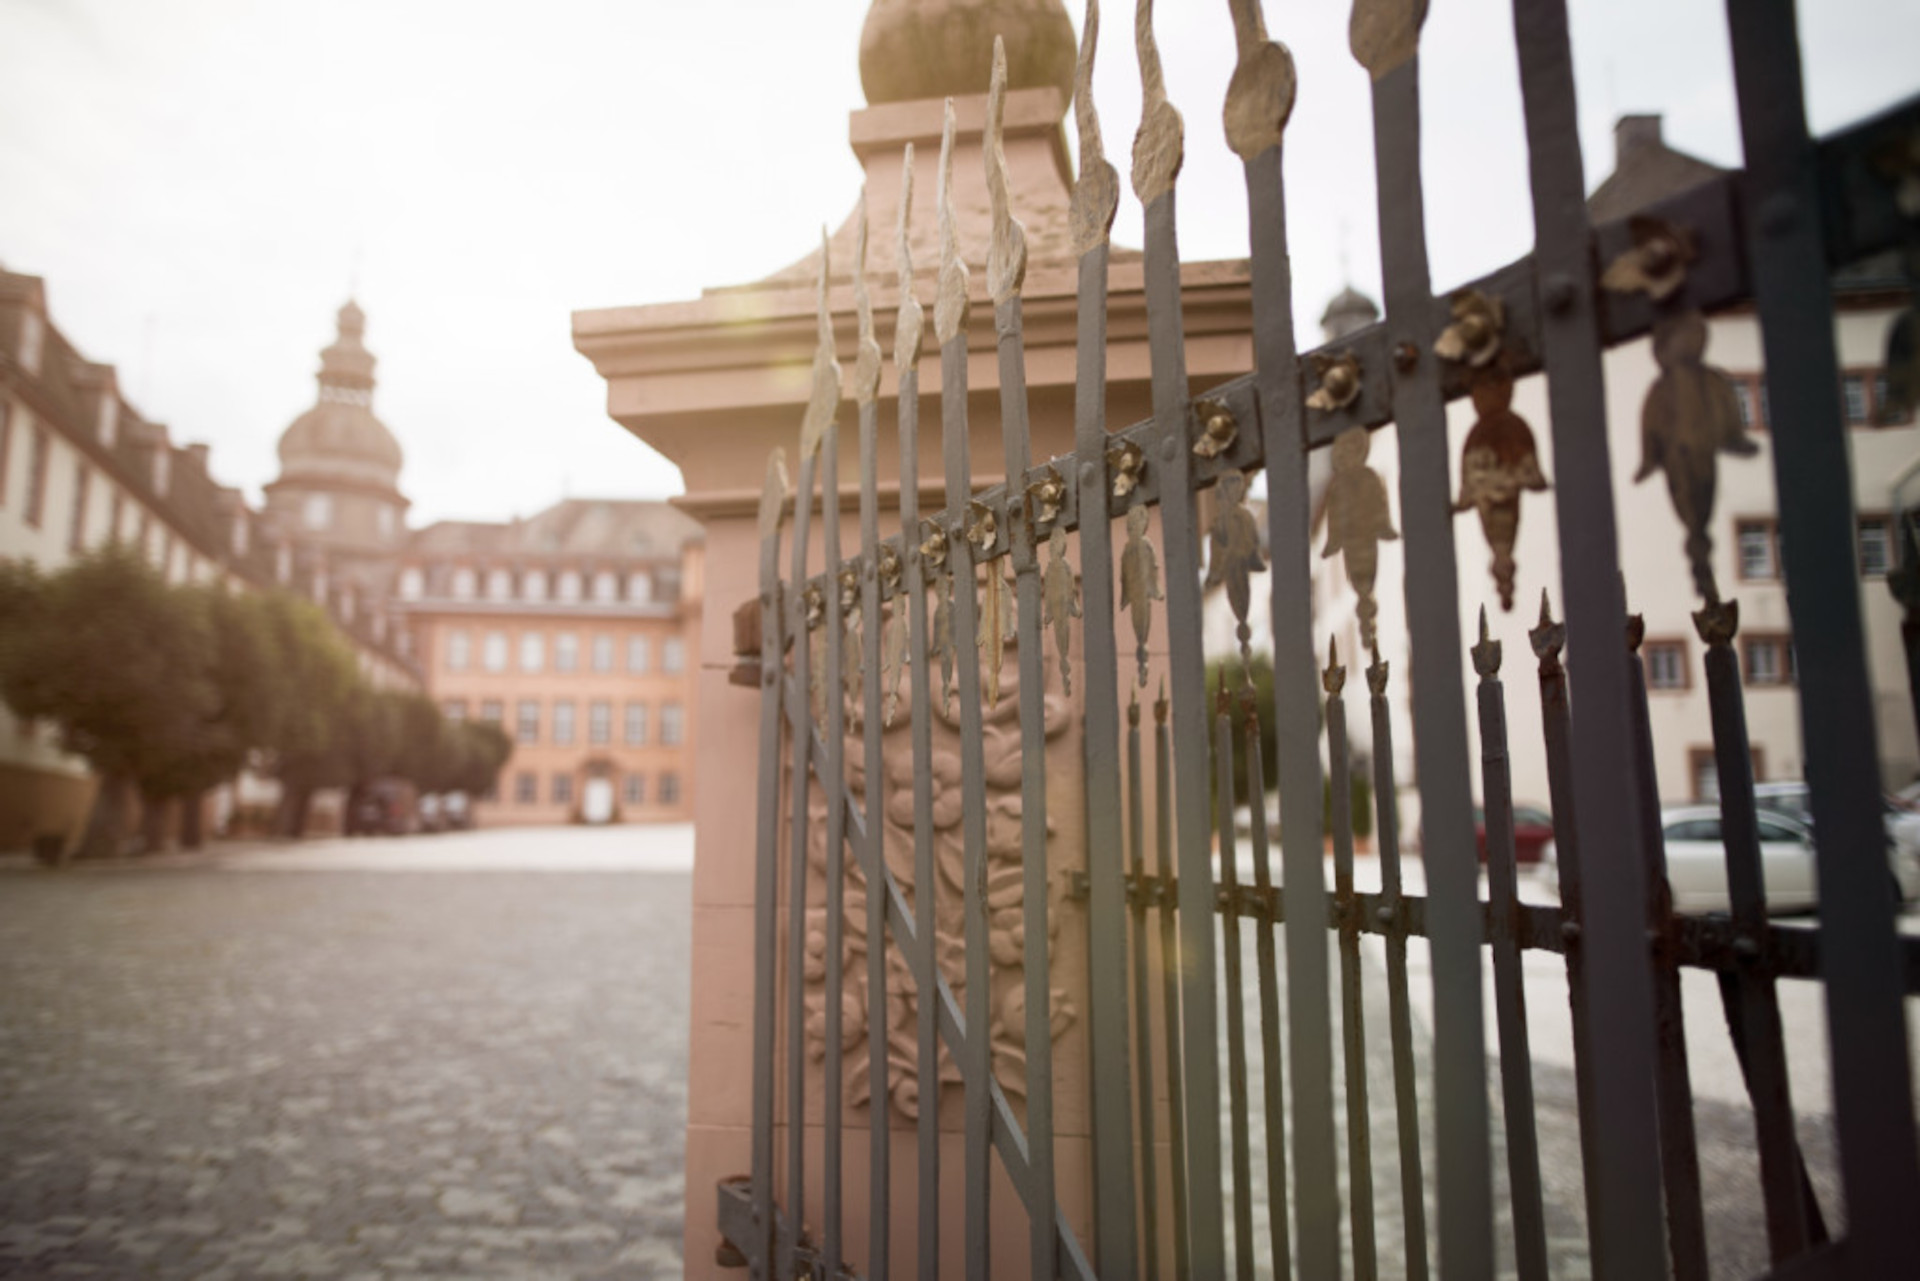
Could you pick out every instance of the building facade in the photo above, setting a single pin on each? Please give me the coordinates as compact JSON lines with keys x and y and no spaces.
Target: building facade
{"x":573,"y":631}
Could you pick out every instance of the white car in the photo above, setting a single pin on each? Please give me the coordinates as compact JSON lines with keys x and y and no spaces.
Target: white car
{"x":1697,"y":861}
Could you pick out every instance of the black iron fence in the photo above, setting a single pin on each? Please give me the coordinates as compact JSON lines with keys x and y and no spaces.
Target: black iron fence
{"x":927,"y":602}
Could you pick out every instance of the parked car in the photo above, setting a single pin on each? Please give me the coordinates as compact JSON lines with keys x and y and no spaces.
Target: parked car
{"x":1697,"y":861}
{"x":1532,"y":829}
{"x":1899,"y":817}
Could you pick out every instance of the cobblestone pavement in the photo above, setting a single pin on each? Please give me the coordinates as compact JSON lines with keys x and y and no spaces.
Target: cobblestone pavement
{"x":344,"y":1072}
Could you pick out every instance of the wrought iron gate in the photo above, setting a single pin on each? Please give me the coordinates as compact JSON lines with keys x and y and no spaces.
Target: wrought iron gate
{"x":927,"y":601}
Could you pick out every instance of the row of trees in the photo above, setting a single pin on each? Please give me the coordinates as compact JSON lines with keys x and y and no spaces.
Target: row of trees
{"x":168,"y":691}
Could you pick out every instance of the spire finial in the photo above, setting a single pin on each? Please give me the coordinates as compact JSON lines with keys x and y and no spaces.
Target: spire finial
{"x":1486,"y":655}
{"x":1096,"y":195}
{"x":825,"y":399}
{"x":950,"y":306}
{"x":1334,"y":678}
{"x":1007,"y":254}
{"x":912,"y":317}
{"x":1158,"y":146}
{"x":866,"y":364}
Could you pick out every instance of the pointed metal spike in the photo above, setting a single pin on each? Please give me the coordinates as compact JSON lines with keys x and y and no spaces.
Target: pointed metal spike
{"x":1158,"y":146}
{"x":912,"y":319}
{"x":1096,"y":194}
{"x":950,"y":306}
{"x":1483,"y":625}
{"x":866,"y":365}
{"x":825,"y":399}
{"x":1007,"y":253}
{"x":1546,"y":609}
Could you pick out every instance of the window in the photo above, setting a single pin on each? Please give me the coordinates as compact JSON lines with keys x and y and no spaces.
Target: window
{"x":6,"y":447}
{"x":569,"y":586}
{"x":1768,"y":660}
{"x":533,"y":585}
{"x":639,"y":655}
{"x":1756,"y":550}
{"x":527,"y":721}
{"x":162,"y":470}
{"x":107,"y":426}
{"x":1695,"y":829}
{"x":1885,"y":412}
{"x":673,"y":655}
{"x":533,"y":651}
{"x":1876,"y":545}
{"x":671,"y":728}
{"x":490,"y":710}
{"x":33,"y":335}
{"x":526,"y":787}
{"x":460,"y":650}
{"x":566,"y":652}
{"x":636,"y":724}
{"x":1666,"y":664}
{"x":499,"y":585}
{"x":238,"y":541}
{"x":563,"y":722}
{"x":636,"y":789}
{"x":1704,"y":774}
{"x":599,"y":721}
{"x":456,"y":709}
{"x":412,"y":583}
{"x":603,"y":653}
{"x":465,"y":583}
{"x":37,"y":477}
{"x":639,"y":588}
{"x":1853,"y":399}
{"x":317,"y":511}
{"x":1772,"y":829}
{"x":493,"y":652}
{"x":669,"y":789}
{"x":562,"y":789}
{"x":82,"y":480}
{"x":606,"y":587}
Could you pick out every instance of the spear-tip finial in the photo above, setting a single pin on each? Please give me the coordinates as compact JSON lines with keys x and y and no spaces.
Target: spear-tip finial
{"x":912,"y":319}
{"x":825,"y":400}
{"x":1334,"y":678}
{"x":866,"y":364}
{"x":1546,"y":608}
{"x":1260,"y":95}
{"x":1096,"y":194}
{"x":1007,"y":253}
{"x":774,"y":493}
{"x":950,"y":306}
{"x":1377,"y":672}
{"x":1486,"y":655}
{"x":1549,"y":637}
{"x":1385,"y":34}
{"x":1158,"y":147}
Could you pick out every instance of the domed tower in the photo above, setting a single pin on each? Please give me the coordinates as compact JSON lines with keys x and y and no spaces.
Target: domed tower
{"x":910,"y":49}
{"x":339,"y":484}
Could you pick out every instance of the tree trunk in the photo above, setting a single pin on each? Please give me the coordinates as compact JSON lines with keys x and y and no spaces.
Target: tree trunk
{"x":153,"y":824}
{"x":106,"y":833}
{"x":192,"y":813}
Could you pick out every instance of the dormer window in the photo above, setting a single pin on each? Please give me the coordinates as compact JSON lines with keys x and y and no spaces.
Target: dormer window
{"x":162,"y":468}
{"x":109,"y":426}
{"x":533,"y":585}
{"x":240,"y":534}
{"x":317,"y":511}
{"x":640,"y":587}
{"x":383,"y":521}
{"x":465,"y":583}
{"x":499,"y":585}
{"x":606,"y":587}
{"x":282,"y":562}
{"x":412,"y":583}
{"x":570,"y":586}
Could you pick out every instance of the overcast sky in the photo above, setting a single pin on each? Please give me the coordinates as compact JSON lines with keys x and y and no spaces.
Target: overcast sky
{"x":201,"y":182}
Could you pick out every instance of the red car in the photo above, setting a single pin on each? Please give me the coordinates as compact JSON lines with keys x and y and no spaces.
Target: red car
{"x":1532,"y":829}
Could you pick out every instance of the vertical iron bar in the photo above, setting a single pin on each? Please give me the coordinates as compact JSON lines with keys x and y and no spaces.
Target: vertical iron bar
{"x":1170,"y":979}
{"x":915,"y":581}
{"x":879,"y":1095}
{"x":1557,"y":729}
{"x":1142,"y":996}
{"x":1296,"y":684}
{"x":1033,"y":795}
{"x":976,"y":1065}
{"x":1352,"y":1020}
{"x":1433,"y":617}
{"x":1626,"y":1224}
{"x":1509,"y":981}
{"x":1393,"y":914}
{"x":800,"y":716}
{"x":766,"y":887}
{"x":1859,"y":957}
{"x":1273,"y":1074}
{"x":1764,"y":1061}
{"x":1679,"y":1150}
{"x":835,"y":732}
{"x":1235,"y":990}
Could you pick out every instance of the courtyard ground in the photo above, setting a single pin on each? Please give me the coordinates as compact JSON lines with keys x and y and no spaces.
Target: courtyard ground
{"x":460,"y":1054}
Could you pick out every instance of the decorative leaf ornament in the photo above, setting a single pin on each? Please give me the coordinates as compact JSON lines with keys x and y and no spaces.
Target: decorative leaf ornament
{"x":1007,"y":250}
{"x":1260,"y":95}
{"x":1498,"y":461}
{"x":1061,"y":599}
{"x":1691,"y":416}
{"x":1358,"y":521}
{"x":1139,"y":583}
{"x":1233,"y":556}
{"x":1385,"y":34}
{"x":995,"y":629}
{"x":824,"y":402}
{"x":773,"y":493}
{"x":950,"y":304}
{"x":1159,"y":146}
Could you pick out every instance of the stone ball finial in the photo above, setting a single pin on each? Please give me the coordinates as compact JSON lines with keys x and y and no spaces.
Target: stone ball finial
{"x":913,"y":49}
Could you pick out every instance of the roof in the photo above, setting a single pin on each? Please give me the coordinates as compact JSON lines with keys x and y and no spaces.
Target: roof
{"x":638,"y":528}
{"x":1645,"y":170}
